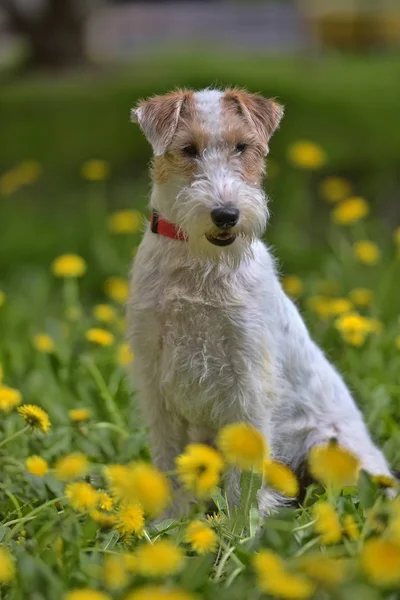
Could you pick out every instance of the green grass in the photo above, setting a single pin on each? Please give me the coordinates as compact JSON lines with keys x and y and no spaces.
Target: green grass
{"x":56,"y":548}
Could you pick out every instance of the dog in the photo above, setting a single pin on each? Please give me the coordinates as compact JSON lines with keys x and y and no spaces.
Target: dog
{"x":216,"y":339}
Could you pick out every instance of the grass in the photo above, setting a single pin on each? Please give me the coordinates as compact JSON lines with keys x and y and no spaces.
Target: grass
{"x":56,"y":547}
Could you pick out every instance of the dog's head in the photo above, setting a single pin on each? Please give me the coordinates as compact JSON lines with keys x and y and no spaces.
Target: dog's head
{"x":209,"y":161}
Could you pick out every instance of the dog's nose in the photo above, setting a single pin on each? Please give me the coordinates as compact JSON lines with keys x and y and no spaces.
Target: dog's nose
{"x":225,"y":217}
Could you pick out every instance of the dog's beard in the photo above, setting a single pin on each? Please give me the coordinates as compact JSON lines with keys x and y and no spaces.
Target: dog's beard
{"x":192,"y":213}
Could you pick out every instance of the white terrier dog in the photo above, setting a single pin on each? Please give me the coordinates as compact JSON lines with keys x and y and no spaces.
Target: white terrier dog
{"x":216,"y":339}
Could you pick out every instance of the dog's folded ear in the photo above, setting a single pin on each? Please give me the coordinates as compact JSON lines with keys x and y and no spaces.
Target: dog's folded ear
{"x":264,"y":114}
{"x":158,"y":118}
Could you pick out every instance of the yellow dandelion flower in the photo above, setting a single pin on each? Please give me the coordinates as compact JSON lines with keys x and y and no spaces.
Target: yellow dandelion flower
{"x":130,"y":561}
{"x":115,"y":575}
{"x":43,"y":343}
{"x":81,"y":496}
{"x":281,"y":478}
{"x":350,"y":527}
{"x":7,"y":566}
{"x":334,"y":189}
{"x":293,"y":285}
{"x":286,"y":585}
{"x":339,"y":306}
{"x":35,"y":417}
{"x":101,"y":337}
{"x":154,"y":592}
{"x":306,"y":155}
{"x":130,"y":519}
{"x":103,"y":519}
{"x":104,"y":500}
{"x":201,"y":537}
{"x":160,"y":559}
{"x":118,"y":480}
{"x":266,"y":561}
{"x":350,"y":211}
{"x":333,"y":465}
{"x":29,"y":171}
{"x":380,"y":560}
{"x":95,"y":170}
{"x":68,"y":265}
{"x":384,"y":481}
{"x":367,"y":252}
{"x":79,"y":414}
{"x":149,"y":487}
{"x":124,"y":355}
{"x":242,"y":445}
{"x":117,"y":289}
{"x":354,"y":328}
{"x":36,"y":465}
{"x":86,"y":594}
{"x":327,"y":523}
{"x":105,"y":313}
{"x":326,"y":308}
{"x":9,"y":398}
{"x":125,"y":221}
{"x":323,"y":569}
{"x":199,"y":469}
{"x":361,"y":296}
{"x":2,"y":298}
{"x":396,"y":236}
{"x":71,"y":466}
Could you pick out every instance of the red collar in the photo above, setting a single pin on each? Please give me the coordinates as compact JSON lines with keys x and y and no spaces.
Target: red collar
{"x":164,"y":227}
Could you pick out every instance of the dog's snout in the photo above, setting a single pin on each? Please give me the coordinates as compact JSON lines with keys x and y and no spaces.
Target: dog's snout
{"x":225,"y":217}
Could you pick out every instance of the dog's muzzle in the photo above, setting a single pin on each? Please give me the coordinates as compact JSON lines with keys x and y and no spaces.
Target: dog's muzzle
{"x":224,"y":219}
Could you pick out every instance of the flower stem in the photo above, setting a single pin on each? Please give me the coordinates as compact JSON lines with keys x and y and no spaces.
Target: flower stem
{"x":14,"y":435}
{"x":20,"y":522}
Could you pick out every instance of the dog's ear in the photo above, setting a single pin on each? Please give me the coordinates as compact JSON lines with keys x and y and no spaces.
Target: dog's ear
{"x":158,"y":118}
{"x":264,"y":114}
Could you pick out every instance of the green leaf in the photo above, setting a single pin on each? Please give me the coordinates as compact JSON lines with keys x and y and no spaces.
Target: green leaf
{"x":367,"y":489}
{"x":197,"y":571}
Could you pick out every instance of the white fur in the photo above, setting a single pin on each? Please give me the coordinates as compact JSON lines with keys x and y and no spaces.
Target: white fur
{"x":216,"y":339}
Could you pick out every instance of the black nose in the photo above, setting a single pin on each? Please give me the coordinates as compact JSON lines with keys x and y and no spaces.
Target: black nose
{"x":225,"y":217}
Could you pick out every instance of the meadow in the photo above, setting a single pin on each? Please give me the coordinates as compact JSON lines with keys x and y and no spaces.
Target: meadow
{"x":80,"y":504}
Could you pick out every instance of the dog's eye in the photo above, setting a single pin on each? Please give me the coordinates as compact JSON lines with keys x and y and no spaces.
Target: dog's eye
{"x":191,"y":151}
{"x":240,"y":147}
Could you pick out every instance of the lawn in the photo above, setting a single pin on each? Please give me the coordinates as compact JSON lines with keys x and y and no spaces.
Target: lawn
{"x":80,"y":504}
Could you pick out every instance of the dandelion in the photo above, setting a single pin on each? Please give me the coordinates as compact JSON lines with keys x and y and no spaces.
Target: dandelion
{"x":281,"y":478}
{"x":350,"y":211}
{"x":361,"y":296}
{"x":333,"y":465}
{"x":201,"y":537}
{"x":242,"y":445}
{"x":104,"y":500}
{"x":329,"y":307}
{"x":350,"y":527}
{"x":29,"y":171}
{"x":306,"y":155}
{"x":293,"y":285}
{"x":35,"y":417}
{"x":149,"y":487}
{"x":101,"y":337}
{"x":199,"y":469}
{"x":288,"y":586}
{"x":105,"y":313}
{"x":43,"y":343}
{"x":367,"y":252}
{"x":118,"y":480}
{"x":327,"y":523}
{"x":79,"y":414}
{"x":323,"y":569}
{"x":380,"y":560}
{"x":71,"y":466}
{"x":266,"y":561}
{"x":2,"y":298}
{"x":334,"y":189}
{"x":115,"y":575}
{"x":103,"y":519}
{"x":130,"y":519}
{"x":7,"y":566}
{"x":81,"y":496}
{"x":95,"y":170}
{"x":154,"y":592}
{"x":68,"y":266}
{"x":160,"y":559}
{"x":124,"y":355}
{"x":339,"y":306}
{"x":384,"y":481}
{"x":117,"y":289}
{"x":36,"y":465}
{"x":86,"y":594}
{"x":125,"y":221}
{"x":354,"y":328}
{"x":9,"y":398}
{"x":129,"y":561}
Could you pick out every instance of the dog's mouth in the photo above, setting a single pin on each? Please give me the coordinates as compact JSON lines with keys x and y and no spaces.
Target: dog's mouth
{"x":222,"y":238}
